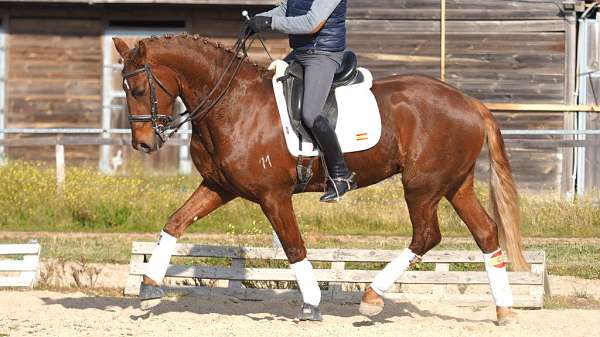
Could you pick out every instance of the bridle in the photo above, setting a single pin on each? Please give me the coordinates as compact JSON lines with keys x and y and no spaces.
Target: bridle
{"x":165,"y":126}
{"x":158,"y":120}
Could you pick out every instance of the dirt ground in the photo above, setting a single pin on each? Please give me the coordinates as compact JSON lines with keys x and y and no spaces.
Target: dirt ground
{"x":43,"y":313}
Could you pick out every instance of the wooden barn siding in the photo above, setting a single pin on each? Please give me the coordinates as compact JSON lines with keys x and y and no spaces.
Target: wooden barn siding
{"x":497,"y":51}
{"x":54,"y":79}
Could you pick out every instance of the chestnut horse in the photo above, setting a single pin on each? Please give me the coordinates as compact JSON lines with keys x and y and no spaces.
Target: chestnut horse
{"x":432,"y":134}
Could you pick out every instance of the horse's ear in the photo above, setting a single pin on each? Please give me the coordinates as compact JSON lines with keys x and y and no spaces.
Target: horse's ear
{"x":142,"y":49}
{"x":121,"y":46}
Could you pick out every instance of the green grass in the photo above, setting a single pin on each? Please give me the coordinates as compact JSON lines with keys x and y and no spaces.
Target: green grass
{"x":141,"y":202}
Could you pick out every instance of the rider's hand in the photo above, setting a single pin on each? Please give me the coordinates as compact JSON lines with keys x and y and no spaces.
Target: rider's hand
{"x":259,"y":24}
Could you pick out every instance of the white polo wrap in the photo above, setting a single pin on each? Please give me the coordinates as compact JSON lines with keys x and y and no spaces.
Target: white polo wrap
{"x":392,"y":272}
{"x":307,"y":282}
{"x":161,"y":255}
{"x":495,"y":266}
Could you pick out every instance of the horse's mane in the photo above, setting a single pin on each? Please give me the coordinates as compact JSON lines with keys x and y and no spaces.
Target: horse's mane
{"x":196,"y":40}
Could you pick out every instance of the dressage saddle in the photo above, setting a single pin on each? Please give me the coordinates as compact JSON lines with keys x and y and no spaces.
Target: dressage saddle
{"x":293,"y":90}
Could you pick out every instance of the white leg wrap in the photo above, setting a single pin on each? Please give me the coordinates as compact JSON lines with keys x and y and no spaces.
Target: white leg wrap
{"x":307,"y":282}
{"x":161,"y":255}
{"x":496,"y":271}
{"x":392,"y":272}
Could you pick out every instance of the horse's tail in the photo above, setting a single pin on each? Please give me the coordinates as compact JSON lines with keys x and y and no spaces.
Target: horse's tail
{"x":504,"y":198}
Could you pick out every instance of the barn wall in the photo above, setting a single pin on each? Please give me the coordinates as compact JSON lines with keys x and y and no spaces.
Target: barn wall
{"x":497,"y":51}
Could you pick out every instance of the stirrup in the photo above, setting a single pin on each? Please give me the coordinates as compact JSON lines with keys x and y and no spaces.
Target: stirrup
{"x":350,"y":184}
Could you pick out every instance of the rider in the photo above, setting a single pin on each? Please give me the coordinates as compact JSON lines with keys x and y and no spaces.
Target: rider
{"x":317,"y":34}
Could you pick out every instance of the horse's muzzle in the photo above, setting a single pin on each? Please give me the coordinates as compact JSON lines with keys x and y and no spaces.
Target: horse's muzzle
{"x":149,"y":145}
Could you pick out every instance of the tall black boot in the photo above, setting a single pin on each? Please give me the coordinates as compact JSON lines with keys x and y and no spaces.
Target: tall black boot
{"x":341,"y":180}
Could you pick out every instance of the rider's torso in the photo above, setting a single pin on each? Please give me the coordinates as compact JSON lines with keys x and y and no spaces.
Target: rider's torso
{"x":332,"y":37}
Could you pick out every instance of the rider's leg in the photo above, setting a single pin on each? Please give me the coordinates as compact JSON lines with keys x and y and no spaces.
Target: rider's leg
{"x":319,"y":69}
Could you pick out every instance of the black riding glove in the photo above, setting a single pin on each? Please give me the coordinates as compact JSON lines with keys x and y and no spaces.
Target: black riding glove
{"x":259,"y":24}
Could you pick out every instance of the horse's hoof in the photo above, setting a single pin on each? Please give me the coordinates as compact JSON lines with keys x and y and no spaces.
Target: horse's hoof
{"x":150,"y":296}
{"x":149,"y":304}
{"x":370,"y":309}
{"x":371,"y":304}
{"x":506,"y":316}
{"x":310,"y":313}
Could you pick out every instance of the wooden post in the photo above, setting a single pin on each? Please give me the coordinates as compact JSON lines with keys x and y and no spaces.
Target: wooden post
{"x":441,"y":290}
{"x":236,"y":263}
{"x":60,"y":166}
{"x":443,"y":40}
{"x":132,"y":285}
{"x":31,"y":277}
{"x":537,"y":292}
{"x":335,"y":288}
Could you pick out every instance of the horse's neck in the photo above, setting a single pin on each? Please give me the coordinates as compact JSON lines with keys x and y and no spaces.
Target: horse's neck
{"x":201,"y":72}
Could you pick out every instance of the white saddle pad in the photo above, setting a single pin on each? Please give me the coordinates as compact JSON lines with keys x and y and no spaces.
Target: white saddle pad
{"x":358,"y":124}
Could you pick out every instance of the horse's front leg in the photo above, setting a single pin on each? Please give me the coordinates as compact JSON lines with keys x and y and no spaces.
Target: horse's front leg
{"x":279,"y":210}
{"x":205,"y":199}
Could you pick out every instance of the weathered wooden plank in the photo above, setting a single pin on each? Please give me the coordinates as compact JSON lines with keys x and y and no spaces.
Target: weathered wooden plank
{"x":358,"y":26}
{"x":18,"y":265}
{"x":341,"y":255}
{"x":327,"y":275}
{"x":19,"y":249}
{"x":13,"y":281}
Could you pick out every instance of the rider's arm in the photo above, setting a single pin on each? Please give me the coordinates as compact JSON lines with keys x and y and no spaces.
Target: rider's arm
{"x":309,"y":23}
{"x":277,"y":11}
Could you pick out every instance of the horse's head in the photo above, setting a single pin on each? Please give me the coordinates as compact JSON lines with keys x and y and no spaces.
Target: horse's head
{"x":151,"y":91}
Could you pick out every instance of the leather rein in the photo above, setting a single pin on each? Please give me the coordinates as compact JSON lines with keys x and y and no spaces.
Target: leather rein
{"x":166,"y":125}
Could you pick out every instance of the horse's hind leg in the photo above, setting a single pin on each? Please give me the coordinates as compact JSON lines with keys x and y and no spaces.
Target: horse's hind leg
{"x":422,"y":206}
{"x":205,"y":199}
{"x":278,"y":208}
{"x":485,"y":232}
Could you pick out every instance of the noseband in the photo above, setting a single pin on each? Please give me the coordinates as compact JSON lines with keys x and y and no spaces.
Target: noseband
{"x":165,"y":125}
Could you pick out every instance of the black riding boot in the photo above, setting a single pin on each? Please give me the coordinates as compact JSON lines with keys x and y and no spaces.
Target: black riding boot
{"x":341,"y":179}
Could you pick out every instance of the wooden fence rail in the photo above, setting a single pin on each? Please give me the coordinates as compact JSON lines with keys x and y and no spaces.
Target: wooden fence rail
{"x":25,"y":268}
{"x":341,"y":282}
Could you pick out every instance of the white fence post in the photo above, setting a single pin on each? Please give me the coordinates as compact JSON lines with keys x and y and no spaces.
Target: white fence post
{"x":60,"y":166}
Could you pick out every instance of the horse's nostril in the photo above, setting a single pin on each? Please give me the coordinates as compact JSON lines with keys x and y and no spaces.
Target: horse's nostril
{"x":145,"y":147}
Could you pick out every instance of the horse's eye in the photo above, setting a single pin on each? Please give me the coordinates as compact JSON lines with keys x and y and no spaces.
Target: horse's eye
{"x":138,"y":92}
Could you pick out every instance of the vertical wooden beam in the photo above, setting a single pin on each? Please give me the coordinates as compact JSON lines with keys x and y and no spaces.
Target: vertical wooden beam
{"x":335,"y":288}
{"x":133,"y":283}
{"x":443,"y":40}
{"x":236,"y":263}
{"x":441,"y":290}
{"x":567,"y":181}
{"x":30,"y":278}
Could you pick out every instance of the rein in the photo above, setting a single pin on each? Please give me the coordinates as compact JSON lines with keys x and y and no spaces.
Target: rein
{"x":165,"y":125}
